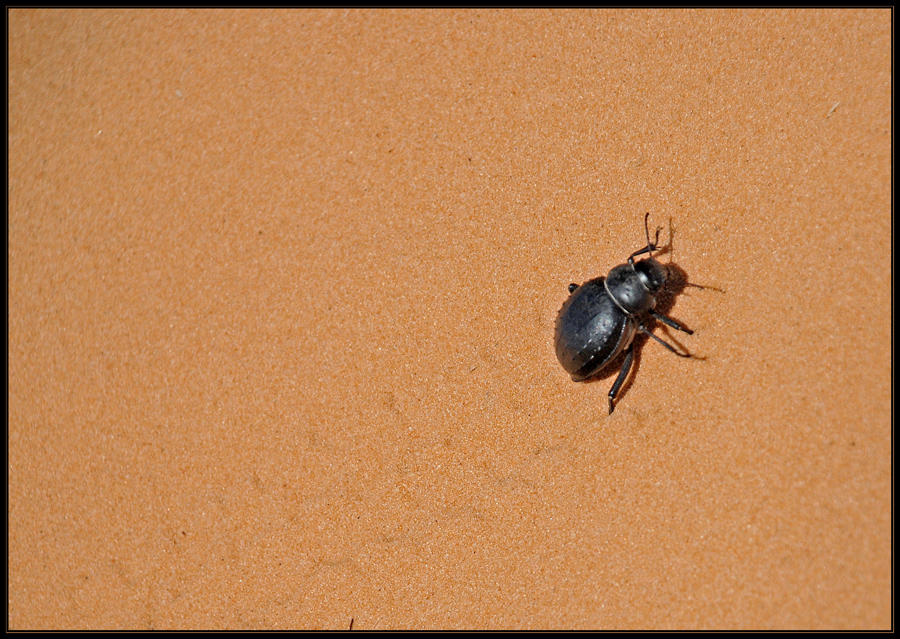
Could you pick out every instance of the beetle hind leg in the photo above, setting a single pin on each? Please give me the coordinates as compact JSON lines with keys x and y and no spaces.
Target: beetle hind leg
{"x":623,"y":374}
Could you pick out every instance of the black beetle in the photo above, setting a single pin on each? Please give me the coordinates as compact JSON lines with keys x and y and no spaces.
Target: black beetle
{"x":600,"y":318}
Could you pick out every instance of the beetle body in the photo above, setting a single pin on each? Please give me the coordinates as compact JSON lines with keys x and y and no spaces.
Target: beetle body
{"x":599,"y":320}
{"x":591,"y":330}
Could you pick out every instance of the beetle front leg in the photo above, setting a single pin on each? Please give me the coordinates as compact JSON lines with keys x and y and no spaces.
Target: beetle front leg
{"x":643,"y":330}
{"x":626,"y":367}
{"x":651,"y":246}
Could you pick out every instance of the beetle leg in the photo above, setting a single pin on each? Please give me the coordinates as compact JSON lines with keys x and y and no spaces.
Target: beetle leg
{"x":667,"y":345}
{"x":626,"y":366}
{"x":668,"y":321}
{"x":651,"y":246}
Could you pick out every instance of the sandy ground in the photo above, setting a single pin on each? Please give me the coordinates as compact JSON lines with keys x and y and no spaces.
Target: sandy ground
{"x":282,"y":288}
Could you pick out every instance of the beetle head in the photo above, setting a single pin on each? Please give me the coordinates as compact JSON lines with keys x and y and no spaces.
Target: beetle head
{"x":651,"y":273}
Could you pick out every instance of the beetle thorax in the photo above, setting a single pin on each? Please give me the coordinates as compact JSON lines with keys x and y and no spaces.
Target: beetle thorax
{"x":633,"y":286}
